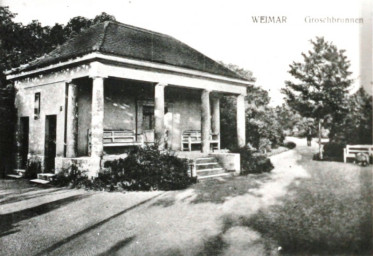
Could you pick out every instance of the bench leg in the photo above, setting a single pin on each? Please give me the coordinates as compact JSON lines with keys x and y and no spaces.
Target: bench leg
{"x":344,"y":156}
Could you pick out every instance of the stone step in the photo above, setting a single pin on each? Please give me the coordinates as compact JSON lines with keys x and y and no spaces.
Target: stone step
{"x":215,"y":176}
{"x":14,"y":176}
{"x":40,"y":181}
{"x":20,"y":172}
{"x":207,"y":166}
{"x":208,"y":163}
{"x":202,"y":160}
{"x":206,"y":172}
{"x":46,"y":176}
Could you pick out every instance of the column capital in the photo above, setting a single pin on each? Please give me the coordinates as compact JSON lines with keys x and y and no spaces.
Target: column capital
{"x":161,"y":84}
{"x":216,"y":95}
{"x":94,"y":76}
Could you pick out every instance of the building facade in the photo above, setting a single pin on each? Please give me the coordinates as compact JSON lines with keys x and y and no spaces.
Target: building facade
{"x":114,"y":87}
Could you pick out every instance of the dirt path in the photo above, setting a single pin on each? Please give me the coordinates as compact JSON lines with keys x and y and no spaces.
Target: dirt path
{"x":254,"y":215}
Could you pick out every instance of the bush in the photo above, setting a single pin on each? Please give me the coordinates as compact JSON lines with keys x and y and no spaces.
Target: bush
{"x":334,"y":151}
{"x":149,"y":169}
{"x":290,"y":145}
{"x":72,"y":177}
{"x":253,"y":162}
{"x":144,"y":169}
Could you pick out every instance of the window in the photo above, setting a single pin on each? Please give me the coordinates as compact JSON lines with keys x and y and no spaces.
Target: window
{"x":148,"y":117}
{"x":37,"y":106}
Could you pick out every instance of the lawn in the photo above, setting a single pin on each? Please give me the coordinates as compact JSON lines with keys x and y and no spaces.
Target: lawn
{"x":328,"y":213}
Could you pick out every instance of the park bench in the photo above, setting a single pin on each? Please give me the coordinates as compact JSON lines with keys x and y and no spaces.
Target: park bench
{"x":118,"y":138}
{"x":194,"y":137}
{"x":351,"y":150}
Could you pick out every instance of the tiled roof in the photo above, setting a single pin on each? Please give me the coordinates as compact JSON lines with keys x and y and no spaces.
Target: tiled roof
{"x":123,"y":40}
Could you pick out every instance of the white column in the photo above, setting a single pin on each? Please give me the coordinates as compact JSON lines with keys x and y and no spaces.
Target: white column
{"x":159,"y":104}
{"x":206,"y":121}
{"x":241,"y":116}
{"x":97,"y":123}
{"x":215,"y":115}
{"x":72,"y":121}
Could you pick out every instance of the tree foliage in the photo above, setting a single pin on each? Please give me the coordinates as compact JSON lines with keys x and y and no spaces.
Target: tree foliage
{"x":20,"y":43}
{"x":293,"y":123}
{"x":262,"y":125}
{"x":356,"y":126}
{"x":321,"y":82}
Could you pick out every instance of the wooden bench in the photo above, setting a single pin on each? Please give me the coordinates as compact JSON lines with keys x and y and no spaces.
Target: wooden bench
{"x":194,"y":137}
{"x":118,"y":138}
{"x":351,"y":150}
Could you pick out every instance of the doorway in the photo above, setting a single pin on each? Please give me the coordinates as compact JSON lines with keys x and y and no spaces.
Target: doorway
{"x":50,"y":142}
{"x":24,"y":130}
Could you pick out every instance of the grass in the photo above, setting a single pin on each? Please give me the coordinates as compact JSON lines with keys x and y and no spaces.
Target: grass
{"x":215,"y":191}
{"x":330,"y":213}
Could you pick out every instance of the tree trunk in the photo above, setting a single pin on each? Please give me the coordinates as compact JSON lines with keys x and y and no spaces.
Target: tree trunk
{"x":320,"y":146}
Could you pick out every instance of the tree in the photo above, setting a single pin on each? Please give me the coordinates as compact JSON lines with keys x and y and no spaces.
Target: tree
{"x":356,"y":127}
{"x":262,"y":126}
{"x":228,"y":110}
{"x":20,"y":43}
{"x":320,"y":87}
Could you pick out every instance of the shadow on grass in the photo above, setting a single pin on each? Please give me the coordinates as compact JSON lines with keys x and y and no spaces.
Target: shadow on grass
{"x":164,"y":202}
{"x":316,"y":221}
{"x":215,"y":191}
{"x":9,"y":221}
{"x":119,"y":245}
{"x":23,"y":196}
{"x":66,"y":240}
{"x":213,"y":246}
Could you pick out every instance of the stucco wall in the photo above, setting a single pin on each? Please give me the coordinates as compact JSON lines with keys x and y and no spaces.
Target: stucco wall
{"x":183,"y":114}
{"x":120,"y":108}
{"x":52,"y":102}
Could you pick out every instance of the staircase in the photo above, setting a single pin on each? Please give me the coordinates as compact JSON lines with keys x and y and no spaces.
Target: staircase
{"x":209,"y":168}
{"x":17,"y":174}
{"x":44,"y":178}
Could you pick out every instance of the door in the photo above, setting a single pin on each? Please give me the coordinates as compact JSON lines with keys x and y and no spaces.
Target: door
{"x":148,"y":123}
{"x":24,"y":129}
{"x":50,"y":142}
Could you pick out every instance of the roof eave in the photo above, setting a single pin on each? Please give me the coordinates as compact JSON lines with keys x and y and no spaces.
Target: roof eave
{"x":13,"y":75}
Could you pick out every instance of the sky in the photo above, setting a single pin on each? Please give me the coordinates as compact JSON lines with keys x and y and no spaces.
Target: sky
{"x":225,"y":30}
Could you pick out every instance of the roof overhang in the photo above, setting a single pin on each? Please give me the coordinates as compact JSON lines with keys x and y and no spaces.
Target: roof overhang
{"x":14,"y":75}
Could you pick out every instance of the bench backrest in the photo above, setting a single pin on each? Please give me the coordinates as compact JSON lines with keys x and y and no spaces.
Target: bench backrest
{"x":193,"y":135}
{"x":117,"y":136}
{"x":353,"y":149}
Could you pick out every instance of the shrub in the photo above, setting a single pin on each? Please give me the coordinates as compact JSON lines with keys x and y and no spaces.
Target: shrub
{"x":148,"y":169}
{"x":253,"y":162}
{"x":32,"y":169}
{"x":72,"y":177}
{"x":144,"y":169}
{"x":290,"y":145}
{"x":334,"y":151}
